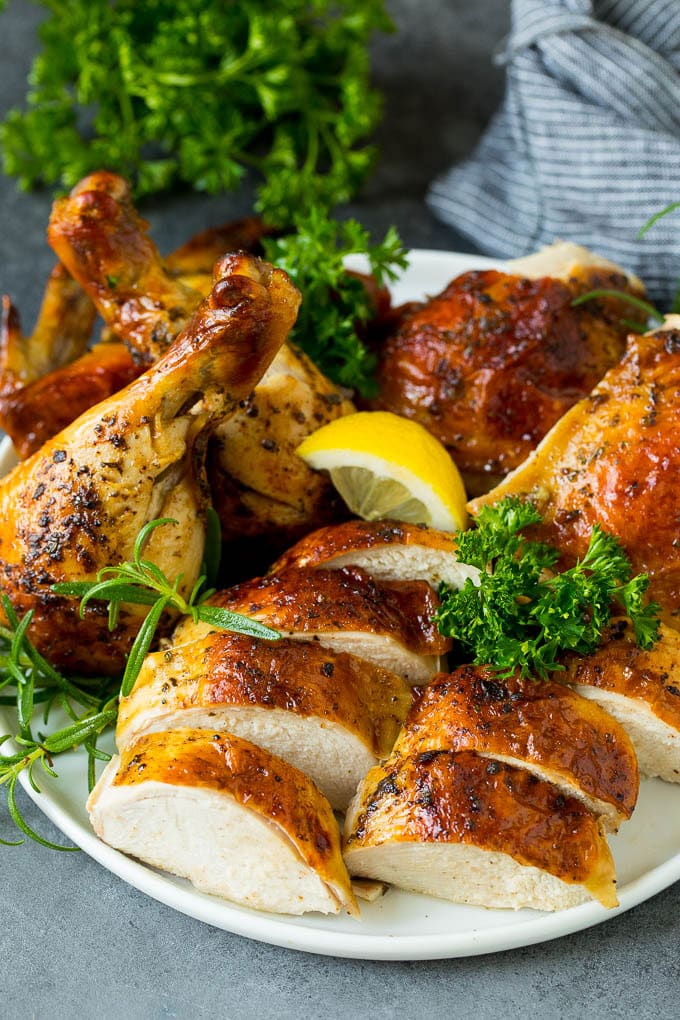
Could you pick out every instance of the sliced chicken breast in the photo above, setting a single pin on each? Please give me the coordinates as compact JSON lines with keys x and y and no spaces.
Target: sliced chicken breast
{"x":331,"y":715}
{"x":232,"y":818}
{"x":388,"y":550}
{"x":389,"y":624}
{"x":464,"y":828}
{"x":641,"y":689}
{"x":545,"y":728}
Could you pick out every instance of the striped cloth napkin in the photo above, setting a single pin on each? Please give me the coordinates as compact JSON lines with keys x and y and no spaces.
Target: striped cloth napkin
{"x":586,"y":146}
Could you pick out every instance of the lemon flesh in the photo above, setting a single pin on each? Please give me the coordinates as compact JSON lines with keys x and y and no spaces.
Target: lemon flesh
{"x":385,"y":466}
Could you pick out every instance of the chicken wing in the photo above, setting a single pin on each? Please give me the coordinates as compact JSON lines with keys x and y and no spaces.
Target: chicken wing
{"x":611,"y":460}
{"x":79,"y":503}
{"x":261,"y":487}
{"x":491,"y":363}
{"x":61,"y":333}
{"x":98,"y":235}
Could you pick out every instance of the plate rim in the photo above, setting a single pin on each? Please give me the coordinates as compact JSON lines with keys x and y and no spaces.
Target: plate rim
{"x":289,"y":933}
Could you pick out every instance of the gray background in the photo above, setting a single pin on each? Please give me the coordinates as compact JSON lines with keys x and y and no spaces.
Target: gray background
{"x":77,"y":942}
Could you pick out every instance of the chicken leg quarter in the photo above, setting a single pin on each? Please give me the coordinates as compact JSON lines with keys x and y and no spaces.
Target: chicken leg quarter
{"x":78,"y":504}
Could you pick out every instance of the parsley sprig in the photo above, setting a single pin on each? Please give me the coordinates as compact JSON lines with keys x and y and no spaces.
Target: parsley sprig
{"x":335,"y":304}
{"x":201,"y":92}
{"x":521,"y":615}
{"x":91,"y":704}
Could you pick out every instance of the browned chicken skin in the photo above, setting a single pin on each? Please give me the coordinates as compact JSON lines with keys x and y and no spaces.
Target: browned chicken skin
{"x":544,"y":727}
{"x":446,"y":799}
{"x":79,"y":503}
{"x":103,"y":242}
{"x":260,"y":486}
{"x":61,"y":333}
{"x":490,"y":364}
{"x":611,"y":460}
{"x":35,"y":413}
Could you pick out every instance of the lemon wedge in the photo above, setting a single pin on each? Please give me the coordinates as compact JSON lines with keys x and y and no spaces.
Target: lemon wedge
{"x":386,"y":466}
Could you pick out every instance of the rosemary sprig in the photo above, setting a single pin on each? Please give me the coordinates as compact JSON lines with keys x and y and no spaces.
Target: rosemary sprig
{"x":140,"y":582}
{"x":91,"y":704}
{"x":653,"y":314}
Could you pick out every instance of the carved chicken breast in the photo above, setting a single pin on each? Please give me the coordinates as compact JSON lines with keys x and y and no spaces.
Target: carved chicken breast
{"x":260,"y":486}
{"x":232,"y":818}
{"x":491,"y":363}
{"x":545,"y":728}
{"x":331,"y":715}
{"x":641,"y":689}
{"x":345,"y":611}
{"x":78,"y":504}
{"x":464,"y":828}
{"x":611,"y":460}
{"x":387,"y":550}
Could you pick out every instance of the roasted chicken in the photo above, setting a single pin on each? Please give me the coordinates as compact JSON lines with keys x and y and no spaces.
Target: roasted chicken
{"x":387,"y":550}
{"x":464,"y":828}
{"x":640,"y":689}
{"x":260,"y":486}
{"x":232,"y":818}
{"x":346,"y":611}
{"x":611,"y":460}
{"x":545,"y":728}
{"x":79,"y":503}
{"x":491,"y":363}
{"x":331,"y":715}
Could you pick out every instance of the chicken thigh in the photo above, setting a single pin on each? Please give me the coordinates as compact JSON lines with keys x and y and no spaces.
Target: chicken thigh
{"x":79,"y":503}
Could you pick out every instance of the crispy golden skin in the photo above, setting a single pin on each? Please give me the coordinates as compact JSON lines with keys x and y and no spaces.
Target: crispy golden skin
{"x":258,"y":781}
{"x":650,"y":677}
{"x":36,"y":412}
{"x":260,"y":486}
{"x":193,"y":261}
{"x":440,"y":797}
{"x":99,"y":237}
{"x":491,"y":363}
{"x":221,"y":668}
{"x":78,"y":504}
{"x":61,"y":333}
{"x":315,"y":601}
{"x":548,"y":727}
{"x":338,"y":541}
{"x":611,"y":460}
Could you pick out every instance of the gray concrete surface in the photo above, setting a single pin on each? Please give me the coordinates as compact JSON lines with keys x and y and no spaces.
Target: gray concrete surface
{"x":75,"y":942}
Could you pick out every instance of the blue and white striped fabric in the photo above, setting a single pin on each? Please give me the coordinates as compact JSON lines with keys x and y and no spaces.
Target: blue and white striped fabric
{"x":586,"y":146}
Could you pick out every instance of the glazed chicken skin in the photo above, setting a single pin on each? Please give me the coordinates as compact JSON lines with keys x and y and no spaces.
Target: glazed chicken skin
{"x":49,"y":379}
{"x":491,"y":363}
{"x":35,"y":413}
{"x":464,"y":828}
{"x":232,"y":818}
{"x":611,"y":461}
{"x":78,"y":504}
{"x":331,"y":715}
{"x":343,"y":610}
{"x":387,"y":550}
{"x":546,"y":728}
{"x":640,"y":689}
{"x":97,"y":234}
{"x":260,"y":485}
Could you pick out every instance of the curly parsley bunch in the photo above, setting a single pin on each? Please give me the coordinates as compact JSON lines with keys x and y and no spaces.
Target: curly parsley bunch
{"x":200,"y":91}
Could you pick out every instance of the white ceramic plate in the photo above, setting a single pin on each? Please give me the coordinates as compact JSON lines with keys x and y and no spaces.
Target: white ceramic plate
{"x":400,"y":926}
